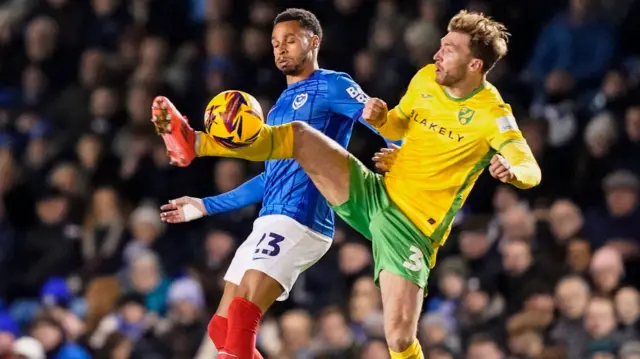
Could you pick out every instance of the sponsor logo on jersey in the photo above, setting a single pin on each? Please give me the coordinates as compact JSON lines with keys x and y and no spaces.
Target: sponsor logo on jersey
{"x":437,"y":128}
{"x":507,"y":123}
{"x":356,"y":93}
{"x":299,"y":101}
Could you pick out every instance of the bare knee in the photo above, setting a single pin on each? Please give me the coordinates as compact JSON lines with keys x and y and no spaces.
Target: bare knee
{"x":400,"y":333}
{"x":259,"y":289}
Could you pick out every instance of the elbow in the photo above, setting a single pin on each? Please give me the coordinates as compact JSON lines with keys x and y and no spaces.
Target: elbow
{"x":532,"y":180}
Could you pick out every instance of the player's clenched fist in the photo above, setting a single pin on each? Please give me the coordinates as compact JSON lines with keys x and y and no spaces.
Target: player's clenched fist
{"x":501,"y":169}
{"x":375,"y":112}
{"x":184,"y":209}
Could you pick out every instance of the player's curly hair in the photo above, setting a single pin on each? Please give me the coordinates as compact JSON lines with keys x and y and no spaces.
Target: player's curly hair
{"x":306,"y":18}
{"x":489,"y":38}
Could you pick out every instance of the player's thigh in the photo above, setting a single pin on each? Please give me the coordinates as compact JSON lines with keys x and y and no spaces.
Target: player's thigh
{"x":230,"y":292}
{"x":367,"y":198}
{"x":400,"y":247}
{"x":324,"y":160}
{"x":285,"y":249}
{"x":244,"y":282}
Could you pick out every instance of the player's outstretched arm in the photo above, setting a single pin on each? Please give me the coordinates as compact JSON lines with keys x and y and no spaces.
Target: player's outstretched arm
{"x":248,"y":193}
{"x":186,"y":209}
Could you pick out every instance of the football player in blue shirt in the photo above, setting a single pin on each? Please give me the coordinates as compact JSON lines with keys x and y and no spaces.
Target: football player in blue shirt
{"x":295,"y":225}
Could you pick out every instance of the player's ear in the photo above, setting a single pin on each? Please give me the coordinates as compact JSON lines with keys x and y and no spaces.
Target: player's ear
{"x":476,"y":65}
{"x":315,"y":42}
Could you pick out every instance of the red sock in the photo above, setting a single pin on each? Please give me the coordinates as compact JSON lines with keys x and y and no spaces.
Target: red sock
{"x":217,"y":330}
{"x":244,"y":318}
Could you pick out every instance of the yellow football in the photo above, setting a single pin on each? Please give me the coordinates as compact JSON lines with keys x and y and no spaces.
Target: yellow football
{"x":233,"y":118}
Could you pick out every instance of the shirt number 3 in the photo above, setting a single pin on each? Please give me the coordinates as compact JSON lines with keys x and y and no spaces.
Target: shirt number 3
{"x":414,"y":263}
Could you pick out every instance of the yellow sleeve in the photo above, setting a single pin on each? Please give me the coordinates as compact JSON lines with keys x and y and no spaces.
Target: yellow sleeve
{"x":505,"y":137}
{"x":397,"y":123}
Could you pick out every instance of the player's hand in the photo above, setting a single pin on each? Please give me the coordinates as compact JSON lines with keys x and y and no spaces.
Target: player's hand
{"x":384,"y":159}
{"x":500,"y":169}
{"x":375,"y":112}
{"x":181,"y":210}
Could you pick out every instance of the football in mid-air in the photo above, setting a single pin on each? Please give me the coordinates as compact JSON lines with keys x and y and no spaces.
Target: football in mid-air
{"x":233,"y":118}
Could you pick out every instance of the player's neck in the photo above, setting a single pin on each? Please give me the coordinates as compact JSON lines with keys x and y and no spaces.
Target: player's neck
{"x":305,"y":74}
{"x":465,"y":88}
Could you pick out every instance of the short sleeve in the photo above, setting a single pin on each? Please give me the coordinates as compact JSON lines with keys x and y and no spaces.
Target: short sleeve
{"x":502,"y":127}
{"x":346,"y":97}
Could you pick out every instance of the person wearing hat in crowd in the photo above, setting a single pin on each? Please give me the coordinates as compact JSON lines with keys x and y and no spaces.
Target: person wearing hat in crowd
{"x":618,"y":225}
{"x":9,"y":332}
{"x":131,"y":318}
{"x":184,"y":327}
{"x":55,"y":295}
{"x":27,"y":348}
{"x":57,"y":300}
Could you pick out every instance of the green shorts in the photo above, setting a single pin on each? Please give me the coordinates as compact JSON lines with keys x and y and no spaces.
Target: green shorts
{"x":398,"y":245}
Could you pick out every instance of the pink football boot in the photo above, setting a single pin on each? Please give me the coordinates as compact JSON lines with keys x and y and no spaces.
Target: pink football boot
{"x":178,"y":136}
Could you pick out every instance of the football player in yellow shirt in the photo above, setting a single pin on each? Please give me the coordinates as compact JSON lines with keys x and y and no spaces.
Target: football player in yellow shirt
{"x":454,"y":124}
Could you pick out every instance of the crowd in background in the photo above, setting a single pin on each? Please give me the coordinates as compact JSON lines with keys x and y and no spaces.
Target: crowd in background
{"x":88,"y":270}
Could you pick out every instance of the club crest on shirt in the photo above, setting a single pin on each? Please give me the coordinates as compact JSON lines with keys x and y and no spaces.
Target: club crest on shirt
{"x":465,"y":115}
{"x":299,"y":101}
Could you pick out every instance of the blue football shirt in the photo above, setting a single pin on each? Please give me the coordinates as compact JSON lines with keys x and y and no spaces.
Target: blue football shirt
{"x":330,"y":102}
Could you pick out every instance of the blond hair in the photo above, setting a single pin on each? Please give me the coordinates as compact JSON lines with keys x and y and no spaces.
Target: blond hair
{"x":489,"y":38}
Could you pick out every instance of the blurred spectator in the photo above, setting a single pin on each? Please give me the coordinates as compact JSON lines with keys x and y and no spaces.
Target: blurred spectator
{"x":376,"y":349}
{"x":617,"y":225}
{"x":482,"y":311}
{"x":482,"y":346}
{"x":572,"y":297}
{"x":334,"y":336}
{"x":627,"y":303}
{"x":630,"y":350}
{"x":28,"y":348}
{"x":51,"y":335}
{"x":296,"y":328}
{"x":9,"y":333}
{"x":607,"y":271}
{"x":578,"y":62}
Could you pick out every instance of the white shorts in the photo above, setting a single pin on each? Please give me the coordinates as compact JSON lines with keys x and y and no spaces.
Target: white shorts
{"x":279,"y":247}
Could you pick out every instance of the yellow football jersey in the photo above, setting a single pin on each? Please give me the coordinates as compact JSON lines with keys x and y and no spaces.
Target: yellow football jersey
{"x":448,"y":143}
